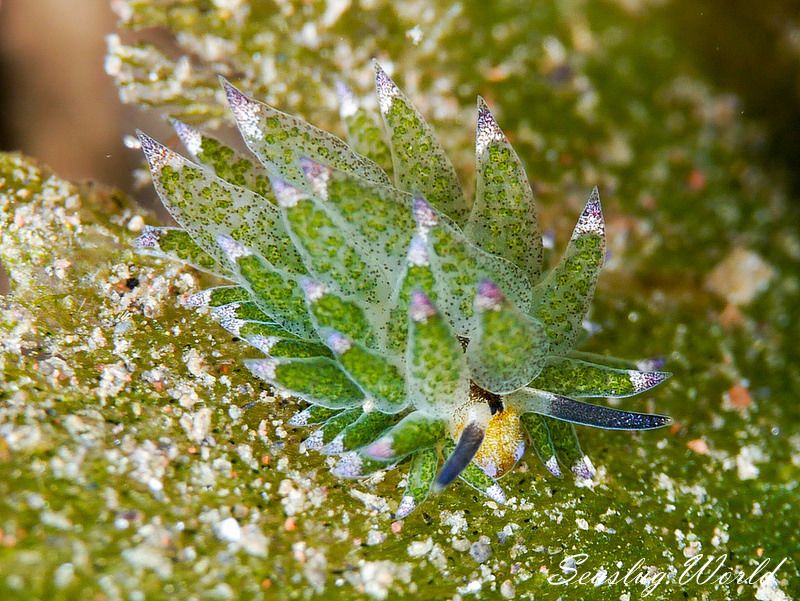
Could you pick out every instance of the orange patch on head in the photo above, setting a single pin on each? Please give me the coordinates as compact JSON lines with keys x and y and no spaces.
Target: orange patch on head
{"x":503,"y":445}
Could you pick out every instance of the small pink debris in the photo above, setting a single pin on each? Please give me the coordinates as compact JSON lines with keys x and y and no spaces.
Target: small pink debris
{"x":696,"y":180}
{"x":739,"y":397}
{"x":698,"y":445}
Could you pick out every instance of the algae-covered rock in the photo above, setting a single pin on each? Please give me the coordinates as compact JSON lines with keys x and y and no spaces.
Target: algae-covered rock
{"x":139,"y":460}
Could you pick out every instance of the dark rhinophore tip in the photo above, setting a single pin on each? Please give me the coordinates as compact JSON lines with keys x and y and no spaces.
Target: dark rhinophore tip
{"x":468,"y":444}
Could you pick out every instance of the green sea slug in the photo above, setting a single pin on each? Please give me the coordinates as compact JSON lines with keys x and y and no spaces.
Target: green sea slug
{"x":417,"y":328}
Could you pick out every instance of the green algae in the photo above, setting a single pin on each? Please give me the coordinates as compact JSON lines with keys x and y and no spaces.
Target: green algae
{"x":128,"y":448}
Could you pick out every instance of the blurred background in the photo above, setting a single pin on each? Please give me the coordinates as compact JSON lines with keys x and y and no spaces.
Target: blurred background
{"x":58,"y":104}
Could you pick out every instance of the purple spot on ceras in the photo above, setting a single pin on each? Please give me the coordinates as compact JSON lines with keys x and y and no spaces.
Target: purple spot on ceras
{"x":232,"y":249}
{"x":489,"y":297}
{"x":421,"y":308}
{"x":288,"y":196}
{"x":424,"y":215}
{"x":490,"y":469}
{"x":339,"y":343}
{"x":263,"y":343}
{"x":381,"y":448}
{"x":263,"y":369}
{"x":317,"y":175}
{"x":418,"y":252}
{"x":313,"y":289}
